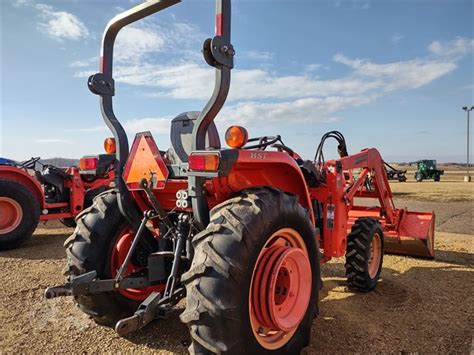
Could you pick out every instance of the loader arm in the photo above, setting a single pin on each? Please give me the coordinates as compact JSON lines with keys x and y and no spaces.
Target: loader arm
{"x":405,"y":232}
{"x":371,"y":161}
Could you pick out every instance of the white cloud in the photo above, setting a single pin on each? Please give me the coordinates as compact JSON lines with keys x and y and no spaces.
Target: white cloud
{"x":133,"y":43}
{"x":54,"y":140}
{"x":83,"y":63}
{"x":396,"y":38}
{"x":87,"y":129}
{"x":272,"y":98}
{"x":19,"y":3}
{"x":314,"y":67}
{"x":61,"y":25}
{"x":453,"y":49}
{"x":289,"y":112}
{"x":257,"y":55}
{"x":156,"y":125}
{"x":410,"y":74}
{"x":192,"y":81}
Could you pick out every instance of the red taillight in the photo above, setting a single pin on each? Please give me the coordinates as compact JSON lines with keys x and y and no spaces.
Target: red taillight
{"x":88,"y":163}
{"x":203,"y":162}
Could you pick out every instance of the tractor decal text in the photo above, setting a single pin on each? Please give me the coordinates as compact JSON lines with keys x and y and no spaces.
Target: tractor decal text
{"x":260,"y":156}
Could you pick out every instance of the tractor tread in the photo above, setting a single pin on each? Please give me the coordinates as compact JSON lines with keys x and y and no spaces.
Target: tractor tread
{"x":216,"y":259}
{"x":358,"y":254}
{"x":31,"y":210}
{"x":86,"y":250}
{"x":221,"y":251}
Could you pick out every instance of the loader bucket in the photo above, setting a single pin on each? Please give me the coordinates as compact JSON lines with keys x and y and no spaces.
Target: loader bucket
{"x":415,"y":235}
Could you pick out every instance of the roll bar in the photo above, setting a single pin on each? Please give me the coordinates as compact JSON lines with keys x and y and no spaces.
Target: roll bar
{"x":218,"y":52}
{"x":103,"y":84}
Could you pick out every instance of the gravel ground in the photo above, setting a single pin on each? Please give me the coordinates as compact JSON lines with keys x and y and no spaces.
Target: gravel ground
{"x":418,"y":306}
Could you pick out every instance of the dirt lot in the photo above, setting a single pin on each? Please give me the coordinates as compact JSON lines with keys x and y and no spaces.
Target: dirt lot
{"x":418,"y":306}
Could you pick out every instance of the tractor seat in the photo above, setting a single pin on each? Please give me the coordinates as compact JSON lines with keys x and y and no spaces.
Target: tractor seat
{"x":181,"y":137}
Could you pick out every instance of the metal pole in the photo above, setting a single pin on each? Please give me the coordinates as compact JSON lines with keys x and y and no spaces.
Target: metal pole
{"x":468,"y":175}
{"x":468,"y":111}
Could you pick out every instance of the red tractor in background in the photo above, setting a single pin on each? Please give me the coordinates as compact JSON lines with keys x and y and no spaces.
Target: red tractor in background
{"x":240,"y":232}
{"x":29,"y":195}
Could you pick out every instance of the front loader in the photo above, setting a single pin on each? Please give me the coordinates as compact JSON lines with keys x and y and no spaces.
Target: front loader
{"x":240,"y":232}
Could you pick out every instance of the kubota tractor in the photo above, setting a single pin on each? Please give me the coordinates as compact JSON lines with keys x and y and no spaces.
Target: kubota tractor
{"x":29,"y":195}
{"x":240,"y":232}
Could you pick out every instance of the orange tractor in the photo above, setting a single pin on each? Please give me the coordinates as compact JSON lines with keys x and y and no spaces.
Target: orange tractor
{"x":241,"y":233}
{"x":29,"y":194}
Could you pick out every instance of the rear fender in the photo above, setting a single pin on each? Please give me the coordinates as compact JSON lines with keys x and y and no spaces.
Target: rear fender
{"x":260,"y":168}
{"x":22,"y":177}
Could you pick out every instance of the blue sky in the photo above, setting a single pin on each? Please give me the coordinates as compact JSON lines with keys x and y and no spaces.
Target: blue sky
{"x":388,"y":74}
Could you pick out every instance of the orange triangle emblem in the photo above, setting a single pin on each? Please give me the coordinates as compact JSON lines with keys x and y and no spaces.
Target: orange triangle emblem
{"x":145,"y":162}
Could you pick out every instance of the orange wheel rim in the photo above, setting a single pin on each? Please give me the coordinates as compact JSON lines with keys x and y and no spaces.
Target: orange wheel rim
{"x":280,"y":290}
{"x":11,"y":215}
{"x":119,"y":253}
{"x":375,"y":255}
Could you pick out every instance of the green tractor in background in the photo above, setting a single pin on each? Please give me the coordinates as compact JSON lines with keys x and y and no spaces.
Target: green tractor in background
{"x":426,"y":169}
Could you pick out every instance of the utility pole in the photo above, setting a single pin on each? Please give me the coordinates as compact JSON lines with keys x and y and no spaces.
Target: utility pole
{"x":468,"y":110}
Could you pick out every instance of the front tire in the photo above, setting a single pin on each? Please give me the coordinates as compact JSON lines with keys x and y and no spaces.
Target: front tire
{"x":251,"y":237}
{"x":19,"y":214}
{"x":364,"y":254}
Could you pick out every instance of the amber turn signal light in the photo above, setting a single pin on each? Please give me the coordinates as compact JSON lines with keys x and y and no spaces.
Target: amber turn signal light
{"x":109,"y":145}
{"x":236,"y":136}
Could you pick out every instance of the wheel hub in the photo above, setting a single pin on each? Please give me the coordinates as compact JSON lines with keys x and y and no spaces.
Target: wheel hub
{"x":11,"y":215}
{"x":281,"y":289}
{"x":119,"y":253}
{"x":375,"y":255}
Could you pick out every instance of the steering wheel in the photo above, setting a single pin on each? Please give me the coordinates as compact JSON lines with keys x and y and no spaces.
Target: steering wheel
{"x":30,"y":163}
{"x":263,"y":142}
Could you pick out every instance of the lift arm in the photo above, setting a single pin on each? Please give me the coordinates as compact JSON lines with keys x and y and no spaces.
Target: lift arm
{"x":371,"y":162}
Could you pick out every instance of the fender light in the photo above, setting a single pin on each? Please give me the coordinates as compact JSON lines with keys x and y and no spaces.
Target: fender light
{"x":236,"y":137}
{"x":207,"y":162}
{"x":88,"y":164}
{"x":110,"y":146}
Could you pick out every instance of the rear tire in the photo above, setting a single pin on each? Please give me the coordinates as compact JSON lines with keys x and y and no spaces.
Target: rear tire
{"x":364,"y":254}
{"x":219,"y":281}
{"x":68,"y":222}
{"x":89,"y":197}
{"x":89,"y":248}
{"x":19,"y":214}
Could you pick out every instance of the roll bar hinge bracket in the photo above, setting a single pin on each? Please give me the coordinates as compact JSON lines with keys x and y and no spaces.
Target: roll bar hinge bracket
{"x":101,"y":84}
{"x":217,"y":51}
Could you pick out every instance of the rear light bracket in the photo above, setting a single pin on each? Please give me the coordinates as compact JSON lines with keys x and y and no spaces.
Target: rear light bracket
{"x":227,"y":158}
